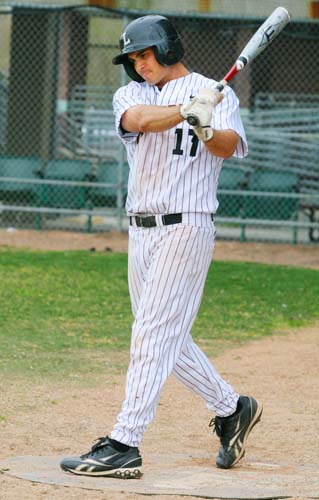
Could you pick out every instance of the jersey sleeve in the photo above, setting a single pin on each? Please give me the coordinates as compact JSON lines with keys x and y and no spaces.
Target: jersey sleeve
{"x":227,"y":116}
{"x":124,"y":98}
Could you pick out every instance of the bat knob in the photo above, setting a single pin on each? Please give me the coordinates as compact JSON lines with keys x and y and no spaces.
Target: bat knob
{"x":192,"y":120}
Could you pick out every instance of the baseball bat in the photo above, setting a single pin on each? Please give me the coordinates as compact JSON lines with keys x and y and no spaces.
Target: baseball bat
{"x":263,"y":37}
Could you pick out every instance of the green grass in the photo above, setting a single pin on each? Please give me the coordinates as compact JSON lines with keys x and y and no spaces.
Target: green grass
{"x":63,"y":314}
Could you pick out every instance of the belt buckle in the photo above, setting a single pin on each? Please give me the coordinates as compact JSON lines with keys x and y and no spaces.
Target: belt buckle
{"x":149,"y":221}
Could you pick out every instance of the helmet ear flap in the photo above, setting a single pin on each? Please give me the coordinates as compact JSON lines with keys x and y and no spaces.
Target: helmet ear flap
{"x":169,"y":51}
{"x":129,"y":68}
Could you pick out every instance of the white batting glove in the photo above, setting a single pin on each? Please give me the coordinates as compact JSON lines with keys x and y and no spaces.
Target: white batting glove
{"x":200,"y":110}
{"x":212,"y":96}
{"x":206,"y":96}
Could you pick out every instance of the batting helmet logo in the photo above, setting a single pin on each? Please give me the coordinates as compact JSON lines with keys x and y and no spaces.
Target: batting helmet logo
{"x":126,"y":41}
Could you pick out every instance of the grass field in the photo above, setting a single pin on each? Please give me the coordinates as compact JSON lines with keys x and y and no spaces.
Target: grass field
{"x":66,"y":313}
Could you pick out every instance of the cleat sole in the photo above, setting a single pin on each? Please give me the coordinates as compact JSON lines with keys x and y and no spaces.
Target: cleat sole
{"x":118,"y":473}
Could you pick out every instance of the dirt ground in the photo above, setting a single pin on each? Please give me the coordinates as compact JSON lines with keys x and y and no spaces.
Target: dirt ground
{"x":281,"y":371}
{"x":292,"y":255}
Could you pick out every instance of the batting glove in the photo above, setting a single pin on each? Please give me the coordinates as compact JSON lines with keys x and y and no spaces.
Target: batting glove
{"x":200,"y":110}
{"x":212,"y":96}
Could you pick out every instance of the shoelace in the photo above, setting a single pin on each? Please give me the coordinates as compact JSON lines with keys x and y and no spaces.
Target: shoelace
{"x":100,"y":443}
{"x":220,"y":427}
{"x":216,"y":424}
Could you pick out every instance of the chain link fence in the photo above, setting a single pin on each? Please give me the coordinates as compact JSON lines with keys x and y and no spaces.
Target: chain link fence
{"x":62,"y":165}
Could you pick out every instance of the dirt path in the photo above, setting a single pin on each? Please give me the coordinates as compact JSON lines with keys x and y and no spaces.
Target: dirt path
{"x":282,"y":371}
{"x":298,"y":255}
{"x":52,"y":419}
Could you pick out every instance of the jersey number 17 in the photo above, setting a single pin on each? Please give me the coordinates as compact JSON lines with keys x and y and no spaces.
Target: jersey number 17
{"x":179,"y":137}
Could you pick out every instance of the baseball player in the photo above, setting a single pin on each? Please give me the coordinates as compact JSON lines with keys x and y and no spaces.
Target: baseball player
{"x":171,"y":203}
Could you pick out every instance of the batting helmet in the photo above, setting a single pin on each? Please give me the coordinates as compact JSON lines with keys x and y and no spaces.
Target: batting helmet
{"x":150,"y":31}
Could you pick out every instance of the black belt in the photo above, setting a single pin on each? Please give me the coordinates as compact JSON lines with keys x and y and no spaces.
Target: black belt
{"x":150,"y":221}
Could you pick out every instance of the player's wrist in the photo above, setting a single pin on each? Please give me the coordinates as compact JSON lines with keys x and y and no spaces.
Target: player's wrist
{"x":204,"y":134}
{"x":208,"y":134}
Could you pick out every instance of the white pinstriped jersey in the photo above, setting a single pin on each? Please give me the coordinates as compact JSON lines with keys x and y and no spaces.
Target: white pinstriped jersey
{"x":172,"y":171}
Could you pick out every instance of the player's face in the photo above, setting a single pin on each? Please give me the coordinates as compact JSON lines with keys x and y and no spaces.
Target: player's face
{"x":146,"y":65}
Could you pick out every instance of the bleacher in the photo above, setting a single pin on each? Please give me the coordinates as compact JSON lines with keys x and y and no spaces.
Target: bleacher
{"x":279,"y":179}
{"x":66,"y":187}
{"x":87,"y":129}
{"x":290,"y":113}
{"x":277,"y":182}
{"x":89,"y":170}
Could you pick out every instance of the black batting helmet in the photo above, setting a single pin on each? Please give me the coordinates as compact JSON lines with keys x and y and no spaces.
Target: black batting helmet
{"x":150,"y":31}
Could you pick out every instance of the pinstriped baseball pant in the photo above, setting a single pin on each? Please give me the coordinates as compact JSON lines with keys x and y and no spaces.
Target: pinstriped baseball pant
{"x":167,"y":270}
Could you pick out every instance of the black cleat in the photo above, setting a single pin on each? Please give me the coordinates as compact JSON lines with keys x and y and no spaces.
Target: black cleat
{"x":234,"y":430}
{"x":105,"y":460}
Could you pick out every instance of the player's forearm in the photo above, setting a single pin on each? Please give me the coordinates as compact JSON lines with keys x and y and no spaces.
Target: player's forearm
{"x":146,"y":118}
{"x":223,"y":143}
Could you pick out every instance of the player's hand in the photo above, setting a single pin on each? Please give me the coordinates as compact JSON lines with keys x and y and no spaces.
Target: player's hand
{"x":212,"y":96}
{"x":201,"y":113}
{"x":205,"y":97}
{"x":200,"y":109}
